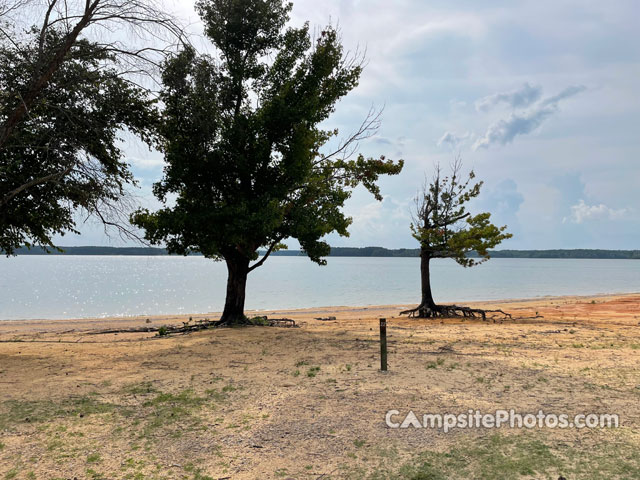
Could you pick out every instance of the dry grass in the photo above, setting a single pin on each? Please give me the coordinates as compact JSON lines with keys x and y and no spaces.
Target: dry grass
{"x":262,"y":403}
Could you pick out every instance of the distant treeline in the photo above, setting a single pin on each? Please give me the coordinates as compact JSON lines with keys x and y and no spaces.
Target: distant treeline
{"x":146,"y":251}
{"x":578,"y":253}
{"x":350,"y":252}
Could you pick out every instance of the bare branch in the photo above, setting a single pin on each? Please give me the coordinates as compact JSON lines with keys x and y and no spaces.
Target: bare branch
{"x":266,"y":255}
{"x":367,"y":129}
{"x":143,"y":16}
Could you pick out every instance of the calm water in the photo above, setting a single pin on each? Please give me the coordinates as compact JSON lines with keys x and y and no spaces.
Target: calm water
{"x":54,"y":287}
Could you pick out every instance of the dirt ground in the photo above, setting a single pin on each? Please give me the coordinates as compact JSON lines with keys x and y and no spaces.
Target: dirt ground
{"x":310,"y":402}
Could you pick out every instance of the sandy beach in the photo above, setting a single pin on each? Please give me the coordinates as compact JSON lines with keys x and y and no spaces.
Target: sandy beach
{"x":310,"y":402}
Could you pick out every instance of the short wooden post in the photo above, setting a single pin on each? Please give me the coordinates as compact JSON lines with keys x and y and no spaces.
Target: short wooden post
{"x":383,"y":344}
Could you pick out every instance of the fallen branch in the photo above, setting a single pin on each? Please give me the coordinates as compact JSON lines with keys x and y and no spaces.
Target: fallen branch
{"x":188,"y":327}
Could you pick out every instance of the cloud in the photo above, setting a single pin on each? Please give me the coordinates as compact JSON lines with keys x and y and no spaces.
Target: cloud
{"x":522,"y":97}
{"x":452,"y":139}
{"x":148,"y":163}
{"x":566,"y":93}
{"x":505,"y":130}
{"x":381,"y":140}
{"x":582,"y":212}
{"x":505,"y":198}
{"x":378,"y":223}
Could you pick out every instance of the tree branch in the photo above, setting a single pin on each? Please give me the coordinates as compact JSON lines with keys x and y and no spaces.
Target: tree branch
{"x":36,"y":181}
{"x":266,"y":255}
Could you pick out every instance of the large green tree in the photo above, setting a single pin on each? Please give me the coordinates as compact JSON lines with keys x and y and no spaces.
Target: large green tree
{"x":446,"y":229}
{"x":64,"y":98}
{"x":244,"y":147}
{"x":64,"y":154}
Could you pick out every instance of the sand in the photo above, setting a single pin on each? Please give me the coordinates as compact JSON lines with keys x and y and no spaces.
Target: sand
{"x":306,"y":402}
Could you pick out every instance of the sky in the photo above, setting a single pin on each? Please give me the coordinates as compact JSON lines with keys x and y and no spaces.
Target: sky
{"x":540,"y":98}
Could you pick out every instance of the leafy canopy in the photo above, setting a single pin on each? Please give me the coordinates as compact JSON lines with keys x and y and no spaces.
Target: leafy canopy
{"x":64,"y":154}
{"x":242,"y":141}
{"x":444,"y":227}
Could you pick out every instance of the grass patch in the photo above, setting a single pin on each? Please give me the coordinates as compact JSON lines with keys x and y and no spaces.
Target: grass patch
{"x":13,"y":473}
{"x":438,"y":363}
{"x":196,"y":472}
{"x":186,"y":398}
{"x":143,"y":388}
{"x":16,"y":412}
{"x":167,"y":409}
{"x":93,"y":458}
{"x":501,"y":457}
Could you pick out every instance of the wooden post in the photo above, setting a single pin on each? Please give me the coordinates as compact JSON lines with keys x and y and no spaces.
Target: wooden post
{"x":383,"y":344}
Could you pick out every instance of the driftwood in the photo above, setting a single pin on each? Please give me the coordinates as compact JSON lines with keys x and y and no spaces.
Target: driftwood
{"x":188,"y":327}
{"x":453,"y":311}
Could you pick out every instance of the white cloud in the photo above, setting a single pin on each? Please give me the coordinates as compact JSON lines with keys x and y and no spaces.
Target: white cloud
{"x":378,"y":223}
{"x":582,"y":212}
{"x":566,"y":93}
{"x":147,"y":163}
{"x":522,"y":97}
{"x":452,"y":140}
{"x":504,"y":131}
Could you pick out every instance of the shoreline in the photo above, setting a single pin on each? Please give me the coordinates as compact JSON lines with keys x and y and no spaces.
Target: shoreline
{"x":39,"y":325}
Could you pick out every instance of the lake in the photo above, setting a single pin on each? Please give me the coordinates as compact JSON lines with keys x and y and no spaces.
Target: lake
{"x":54,"y":287}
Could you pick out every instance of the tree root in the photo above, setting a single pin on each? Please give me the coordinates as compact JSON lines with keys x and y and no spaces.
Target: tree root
{"x":454,"y":311}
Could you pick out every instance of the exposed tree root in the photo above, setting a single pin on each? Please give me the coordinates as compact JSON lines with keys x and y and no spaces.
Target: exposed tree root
{"x":454,"y":311}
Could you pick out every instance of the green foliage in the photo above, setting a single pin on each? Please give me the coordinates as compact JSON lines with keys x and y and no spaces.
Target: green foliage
{"x":258,"y":321}
{"x":444,"y":227}
{"x":64,"y":154}
{"x":242,"y":140}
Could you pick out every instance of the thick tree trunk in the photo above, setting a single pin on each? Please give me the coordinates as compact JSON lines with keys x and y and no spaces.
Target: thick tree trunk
{"x":425,"y":280}
{"x":238,"y":268}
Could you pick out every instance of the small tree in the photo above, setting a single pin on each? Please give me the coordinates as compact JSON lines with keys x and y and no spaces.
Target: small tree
{"x":445,"y":229}
{"x":243,"y":145}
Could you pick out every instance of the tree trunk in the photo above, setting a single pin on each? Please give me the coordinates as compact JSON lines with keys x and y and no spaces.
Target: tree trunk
{"x":425,"y":280}
{"x":238,"y":268}
{"x":429,"y":309}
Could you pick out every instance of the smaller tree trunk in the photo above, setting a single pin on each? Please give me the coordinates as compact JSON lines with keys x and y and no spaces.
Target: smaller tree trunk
{"x":429,"y":309}
{"x":238,"y":268}
{"x":425,"y":280}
